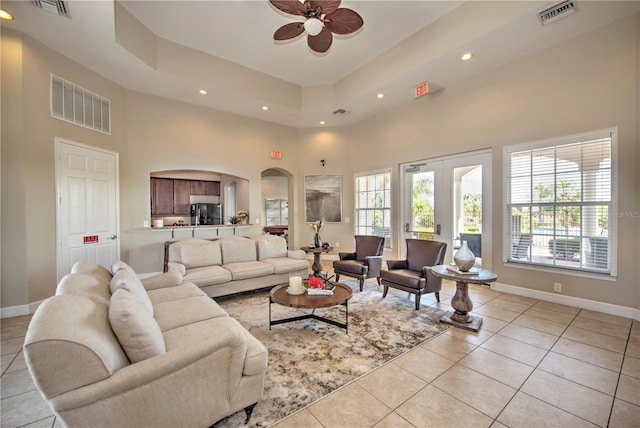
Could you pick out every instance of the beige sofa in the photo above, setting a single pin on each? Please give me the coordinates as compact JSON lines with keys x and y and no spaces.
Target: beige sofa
{"x":112,"y":351}
{"x":235,"y":264}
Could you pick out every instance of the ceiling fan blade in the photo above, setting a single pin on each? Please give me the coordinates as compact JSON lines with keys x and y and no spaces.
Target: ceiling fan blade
{"x":293,"y":7}
{"x":322,"y":42}
{"x":289,"y":31}
{"x":343,"y":21}
{"x":327,"y":6}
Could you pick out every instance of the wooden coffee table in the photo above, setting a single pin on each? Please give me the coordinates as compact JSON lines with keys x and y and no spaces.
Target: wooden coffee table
{"x":341,"y":295}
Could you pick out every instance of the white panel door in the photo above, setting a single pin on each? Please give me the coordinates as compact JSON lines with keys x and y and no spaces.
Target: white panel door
{"x":87,"y":226}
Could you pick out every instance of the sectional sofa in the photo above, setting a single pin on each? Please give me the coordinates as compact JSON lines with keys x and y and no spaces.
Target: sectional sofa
{"x":235,"y":264}
{"x":109,"y":350}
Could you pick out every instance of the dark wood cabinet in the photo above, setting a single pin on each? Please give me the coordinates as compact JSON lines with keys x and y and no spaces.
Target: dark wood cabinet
{"x":161,"y":196}
{"x":208,"y":188}
{"x":172,"y":196}
{"x":212,"y":188}
{"x":181,"y":193}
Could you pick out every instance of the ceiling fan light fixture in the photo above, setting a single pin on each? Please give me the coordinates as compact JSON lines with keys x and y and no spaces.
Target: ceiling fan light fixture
{"x":313,"y":26}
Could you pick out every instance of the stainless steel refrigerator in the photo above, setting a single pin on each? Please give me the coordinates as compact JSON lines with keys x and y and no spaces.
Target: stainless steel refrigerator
{"x":206,"y":214}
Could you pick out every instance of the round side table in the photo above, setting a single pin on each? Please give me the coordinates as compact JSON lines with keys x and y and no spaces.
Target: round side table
{"x":461,"y":301}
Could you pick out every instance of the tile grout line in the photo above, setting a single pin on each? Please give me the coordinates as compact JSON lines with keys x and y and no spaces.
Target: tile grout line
{"x":615,"y":392}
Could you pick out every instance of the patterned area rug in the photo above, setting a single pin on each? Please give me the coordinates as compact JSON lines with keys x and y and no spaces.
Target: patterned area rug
{"x":308,"y":359}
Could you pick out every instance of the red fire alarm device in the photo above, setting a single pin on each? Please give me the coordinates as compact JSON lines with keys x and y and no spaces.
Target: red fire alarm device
{"x":422,"y":89}
{"x":276,"y":154}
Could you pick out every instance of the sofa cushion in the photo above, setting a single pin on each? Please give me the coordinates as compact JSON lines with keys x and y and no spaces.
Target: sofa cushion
{"x":193,"y":253}
{"x":168,"y":294}
{"x":137,"y":331}
{"x":124,"y":280}
{"x":285,"y":265}
{"x":177,"y":313}
{"x":120,"y":265}
{"x":68,"y":328}
{"x":91,"y":268}
{"x":237,"y":249}
{"x":246,"y":270}
{"x":270,"y":246}
{"x":209,"y":275}
{"x":89,"y":286}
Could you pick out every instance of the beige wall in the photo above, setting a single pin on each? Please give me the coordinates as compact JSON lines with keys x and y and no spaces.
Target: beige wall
{"x":28,"y":165}
{"x":586,"y":84}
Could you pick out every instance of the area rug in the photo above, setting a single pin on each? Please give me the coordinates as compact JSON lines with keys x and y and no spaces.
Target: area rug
{"x":309,"y":359}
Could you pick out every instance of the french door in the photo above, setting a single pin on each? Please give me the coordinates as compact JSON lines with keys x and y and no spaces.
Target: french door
{"x":449,"y":200}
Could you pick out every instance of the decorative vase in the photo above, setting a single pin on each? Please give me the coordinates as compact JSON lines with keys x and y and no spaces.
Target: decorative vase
{"x":316,"y":240}
{"x":464,"y":258}
{"x":243,"y":220}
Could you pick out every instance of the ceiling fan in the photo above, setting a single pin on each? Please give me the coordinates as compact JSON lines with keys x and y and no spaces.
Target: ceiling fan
{"x":322,"y":18}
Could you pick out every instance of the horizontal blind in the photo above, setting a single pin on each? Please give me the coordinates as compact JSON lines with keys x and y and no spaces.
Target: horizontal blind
{"x":373,"y":205}
{"x":559,"y":200}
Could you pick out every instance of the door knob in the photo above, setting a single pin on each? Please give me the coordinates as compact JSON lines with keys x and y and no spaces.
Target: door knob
{"x":112,"y":237}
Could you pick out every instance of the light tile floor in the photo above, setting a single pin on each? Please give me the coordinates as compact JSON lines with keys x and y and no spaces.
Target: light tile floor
{"x":532,"y":364}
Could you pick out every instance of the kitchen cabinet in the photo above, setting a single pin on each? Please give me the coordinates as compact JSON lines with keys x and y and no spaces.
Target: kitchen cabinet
{"x":181,"y":194}
{"x":208,"y":188}
{"x":171,"y":197}
{"x":161,"y":196}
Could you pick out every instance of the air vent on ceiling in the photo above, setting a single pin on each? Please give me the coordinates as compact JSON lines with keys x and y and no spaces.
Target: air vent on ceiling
{"x":557,"y":11}
{"x":54,"y":6}
{"x":340,"y":112}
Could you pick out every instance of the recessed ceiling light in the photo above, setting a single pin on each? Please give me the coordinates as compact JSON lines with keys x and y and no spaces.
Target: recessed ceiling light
{"x":265,"y":108}
{"x":203,"y":92}
{"x":466,"y":56}
{"x":322,"y":122}
{"x":380,"y":95}
{"x":5,"y":15}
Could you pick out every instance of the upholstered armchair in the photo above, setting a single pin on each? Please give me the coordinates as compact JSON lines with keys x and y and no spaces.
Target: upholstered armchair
{"x":414,"y":273}
{"x":365,"y":262}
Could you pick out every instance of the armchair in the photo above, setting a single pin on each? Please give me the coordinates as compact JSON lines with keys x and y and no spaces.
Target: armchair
{"x":365,"y":262}
{"x":414,"y":273}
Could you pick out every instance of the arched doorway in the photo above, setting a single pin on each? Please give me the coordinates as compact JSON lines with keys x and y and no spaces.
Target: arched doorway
{"x":278,"y":203}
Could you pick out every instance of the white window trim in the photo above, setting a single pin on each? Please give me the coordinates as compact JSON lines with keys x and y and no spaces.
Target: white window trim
{"x":613,"y":217}
{"x":355,"y":209}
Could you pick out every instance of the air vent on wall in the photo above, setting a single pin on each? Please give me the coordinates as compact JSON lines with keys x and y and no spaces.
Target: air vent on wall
{"x":72,"y":103}
{"x":54,"y":6}
{"x":557,"y":11}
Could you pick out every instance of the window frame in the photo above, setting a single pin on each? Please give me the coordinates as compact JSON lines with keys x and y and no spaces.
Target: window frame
{"x":550,"y":143}
{"x":388,"y":244}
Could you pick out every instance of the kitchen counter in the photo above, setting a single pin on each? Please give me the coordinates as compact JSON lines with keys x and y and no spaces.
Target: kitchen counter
{"x":204,"y":228}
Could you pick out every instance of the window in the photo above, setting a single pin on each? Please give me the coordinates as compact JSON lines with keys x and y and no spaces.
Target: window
{"x":373,"y":205}
{"x":560,"y":202}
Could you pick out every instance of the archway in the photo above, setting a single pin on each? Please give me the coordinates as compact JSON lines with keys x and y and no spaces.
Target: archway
{"x":278,"y":207}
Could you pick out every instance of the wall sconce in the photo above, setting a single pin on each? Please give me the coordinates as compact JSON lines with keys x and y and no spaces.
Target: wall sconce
{"x":322,"y":161}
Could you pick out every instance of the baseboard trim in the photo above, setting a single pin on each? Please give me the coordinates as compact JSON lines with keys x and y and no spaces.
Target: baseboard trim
{"x":16,"y":311}
{"x":577,"y":302}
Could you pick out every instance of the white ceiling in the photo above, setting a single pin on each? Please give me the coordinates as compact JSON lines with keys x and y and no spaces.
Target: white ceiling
{"x":173,"y":48}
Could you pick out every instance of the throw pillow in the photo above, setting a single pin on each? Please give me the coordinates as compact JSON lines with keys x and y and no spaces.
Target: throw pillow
{"x":132,"y":284}
{"x":137,"y":331}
